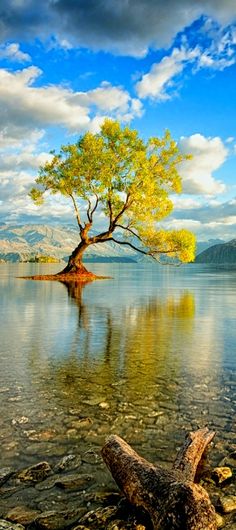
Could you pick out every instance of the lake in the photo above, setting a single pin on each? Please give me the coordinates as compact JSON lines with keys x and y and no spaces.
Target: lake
{"x":149,"y":355}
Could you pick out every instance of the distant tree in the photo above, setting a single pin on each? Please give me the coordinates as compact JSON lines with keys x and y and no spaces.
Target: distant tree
{"x":43,"y":259}
{"x":116,"y":173}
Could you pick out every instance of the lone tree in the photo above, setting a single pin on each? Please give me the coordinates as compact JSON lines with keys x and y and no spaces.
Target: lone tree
{"x":127,"y":179}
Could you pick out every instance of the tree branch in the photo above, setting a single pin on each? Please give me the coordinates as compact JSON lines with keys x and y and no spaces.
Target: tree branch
{"x":190,"y":454}
{"x":95,"y":207}
{"x":76,"y":211}
{"x":146,"y":253}
{"x":125,"y":206}
{"x":129,"y":230}
{"x":89,"y":211}
{"x":110,"y":213}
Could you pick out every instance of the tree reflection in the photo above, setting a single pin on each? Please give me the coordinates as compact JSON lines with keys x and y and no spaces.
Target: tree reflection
{"x":133,"y":342}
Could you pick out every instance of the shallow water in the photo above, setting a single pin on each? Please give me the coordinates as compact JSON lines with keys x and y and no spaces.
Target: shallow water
{"x":149,"y":355}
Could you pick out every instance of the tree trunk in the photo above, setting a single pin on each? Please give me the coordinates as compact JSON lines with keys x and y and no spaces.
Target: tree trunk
{"x":74,"y":271}
{"x":75,"y":264}
{"x":171,"y":498}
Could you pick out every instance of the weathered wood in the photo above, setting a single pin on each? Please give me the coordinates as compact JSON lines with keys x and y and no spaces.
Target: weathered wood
{"x":170,"y":497}
{"x":191,"y":453}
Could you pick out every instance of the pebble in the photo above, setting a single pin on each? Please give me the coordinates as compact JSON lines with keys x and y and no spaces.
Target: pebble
{"x":228,"y":503}
{"x":81,"y":422}
{"x":219,"y":521}
{"x":220,"y":474}
{"x":104,"y":405}
{"x":20,"y":421}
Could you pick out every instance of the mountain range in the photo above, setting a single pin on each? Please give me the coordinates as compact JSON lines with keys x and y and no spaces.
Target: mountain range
{"x":24,"y":242}
{"x":219,"y":254}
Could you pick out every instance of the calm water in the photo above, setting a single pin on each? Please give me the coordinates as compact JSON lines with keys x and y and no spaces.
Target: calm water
{"x":148,"y":355}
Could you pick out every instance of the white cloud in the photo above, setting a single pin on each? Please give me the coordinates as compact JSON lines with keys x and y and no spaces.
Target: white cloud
{"x":11,"y":136}
{"x":23,"y":160}
{"x":24,"y":105}
{"x":185,"y":203}
{"x":223,"y":229}
{"x":19,"y":163}
{"x":220,"y":51}
{"x":12,"y":52}
{"x":156,"y":83}
{"x":208,"y":155}
{"x":178,"y":224}
{"x":216,"y":51}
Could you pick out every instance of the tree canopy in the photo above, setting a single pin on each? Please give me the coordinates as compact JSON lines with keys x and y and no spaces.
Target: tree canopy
{"x":126,"y":178}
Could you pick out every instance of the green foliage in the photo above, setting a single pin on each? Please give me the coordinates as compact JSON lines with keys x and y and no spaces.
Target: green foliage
{"x":129,"y":180}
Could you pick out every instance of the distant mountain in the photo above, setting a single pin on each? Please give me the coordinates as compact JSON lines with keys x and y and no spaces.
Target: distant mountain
{"x":21,"y":243}
{"x":203,"y":245}
{"x":219,"y":254}
{"x":24,"y":242}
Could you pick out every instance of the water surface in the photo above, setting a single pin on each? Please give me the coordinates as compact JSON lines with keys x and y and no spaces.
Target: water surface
{"x":149,"y":355}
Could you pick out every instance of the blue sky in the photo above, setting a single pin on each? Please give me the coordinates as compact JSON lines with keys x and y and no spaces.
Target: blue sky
{"x":67,"y":64}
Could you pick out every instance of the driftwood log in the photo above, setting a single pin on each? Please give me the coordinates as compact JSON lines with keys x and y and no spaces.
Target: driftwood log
{"x":170,"y":497}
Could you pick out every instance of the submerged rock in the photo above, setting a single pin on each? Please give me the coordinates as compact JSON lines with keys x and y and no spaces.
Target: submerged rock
{"x":54,"y":520}
{"x":22,"y":515}
{"x":7,"y":525}
{"x":81,"y":422}
{"x":68,"y":462}
{"x":74,"y":482}
{"x":100,"y":516}
{"x":20,"y":421}
{"x":229,"y":460}
{"x":5,"y":474}
{"x":46,"y":484}
{"x":91,"y":457}
{"x":35,"y":473}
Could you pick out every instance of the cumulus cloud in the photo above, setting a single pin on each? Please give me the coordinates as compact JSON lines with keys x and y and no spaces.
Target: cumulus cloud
{"x":12,"y":52}
{"x":208,"y":155}
{"x":208,"y":219}
{"x":223,"y":229}
{"x":123,"y":27}
{"x":210,"y":211}
{"x":159,"y":80}
{"x":19,"y":164}
{"x":185,"y":203}
{"x":24,"y":105}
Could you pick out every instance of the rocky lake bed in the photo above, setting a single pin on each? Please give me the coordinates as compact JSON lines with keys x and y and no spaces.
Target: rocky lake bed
{"x":65,"y":493}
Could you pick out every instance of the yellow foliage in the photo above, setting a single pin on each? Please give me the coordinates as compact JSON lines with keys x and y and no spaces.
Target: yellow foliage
{"x":116,"y":172}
